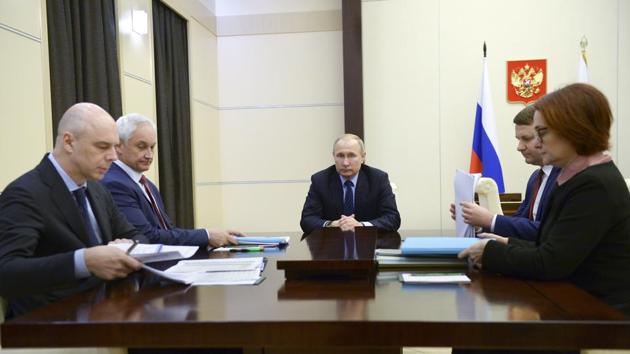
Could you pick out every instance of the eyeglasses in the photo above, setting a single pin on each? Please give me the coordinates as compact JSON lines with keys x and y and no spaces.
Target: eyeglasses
{"x":541,"y":133}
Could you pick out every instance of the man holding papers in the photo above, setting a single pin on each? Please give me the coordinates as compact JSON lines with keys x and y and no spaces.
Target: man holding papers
{"x":139,"y":199}
{"x":524,"y":223}
{"x":350,"y":193}
{"x":56,"y":219}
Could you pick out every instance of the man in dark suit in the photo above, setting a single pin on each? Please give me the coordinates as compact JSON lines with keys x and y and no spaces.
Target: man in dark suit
{"x":139,"y":199}
{"x":350,"y":194}
{"x":55,"y":220}
{"x":524,"y":223}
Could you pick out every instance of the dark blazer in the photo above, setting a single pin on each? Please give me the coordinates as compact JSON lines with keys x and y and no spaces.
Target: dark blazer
{"x":374,"y":200}
{"x":584,"y":237}
{"x":133,"y":203}
{"x":40,"y":228}
{"x":519,"y":225}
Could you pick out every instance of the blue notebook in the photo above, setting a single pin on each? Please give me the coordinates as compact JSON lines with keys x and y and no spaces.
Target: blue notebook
{"x":434,"y":246}
{"x":263,"y":240}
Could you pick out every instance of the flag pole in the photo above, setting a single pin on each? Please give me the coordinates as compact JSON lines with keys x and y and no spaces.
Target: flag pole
{"x":583,"y":65}
{"x":583,"y":45}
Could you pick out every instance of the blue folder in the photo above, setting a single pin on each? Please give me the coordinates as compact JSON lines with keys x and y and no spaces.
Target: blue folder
{"x":263,"y":240}
{"x":434,"y":246}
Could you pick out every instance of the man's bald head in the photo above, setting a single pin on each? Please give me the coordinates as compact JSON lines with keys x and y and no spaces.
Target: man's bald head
{"x":86,"y":137}
{"x":81,"y":117}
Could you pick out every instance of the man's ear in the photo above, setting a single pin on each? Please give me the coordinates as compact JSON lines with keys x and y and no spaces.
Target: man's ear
{"x":68,"y":142}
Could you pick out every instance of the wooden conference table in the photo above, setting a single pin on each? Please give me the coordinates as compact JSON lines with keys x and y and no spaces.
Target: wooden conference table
{"x":490,"y":312}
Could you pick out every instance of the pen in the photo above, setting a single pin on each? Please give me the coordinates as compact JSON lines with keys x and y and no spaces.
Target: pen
{"x":135,"y":243}
{"x":247,"y":249}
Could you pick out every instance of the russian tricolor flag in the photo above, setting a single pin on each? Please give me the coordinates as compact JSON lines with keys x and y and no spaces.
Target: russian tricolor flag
{"x":484,"y":158}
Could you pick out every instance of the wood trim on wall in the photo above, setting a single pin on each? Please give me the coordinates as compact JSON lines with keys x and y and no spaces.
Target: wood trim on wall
{"x":352,"y":67}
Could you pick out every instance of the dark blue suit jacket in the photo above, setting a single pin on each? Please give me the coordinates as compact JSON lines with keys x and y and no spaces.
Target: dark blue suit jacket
{"x":374,"y":200}
{"x":519,"y":225}
{"x":133,"y":203}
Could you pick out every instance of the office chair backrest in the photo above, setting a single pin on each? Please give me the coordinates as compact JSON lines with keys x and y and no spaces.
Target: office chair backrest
{"x":488,"y":193}
{"x":394,"y":188}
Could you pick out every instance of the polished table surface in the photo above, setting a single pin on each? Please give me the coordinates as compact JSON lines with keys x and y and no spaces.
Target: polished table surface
{"x":490,"y":312}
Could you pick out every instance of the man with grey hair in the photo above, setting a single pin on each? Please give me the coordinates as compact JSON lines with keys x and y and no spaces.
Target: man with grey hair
{"x":56,"y":219}
{"x":139,"y":199}
{"x":350,"y":194}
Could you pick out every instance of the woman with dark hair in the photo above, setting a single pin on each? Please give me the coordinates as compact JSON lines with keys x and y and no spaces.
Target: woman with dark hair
{"x":584,"y":236}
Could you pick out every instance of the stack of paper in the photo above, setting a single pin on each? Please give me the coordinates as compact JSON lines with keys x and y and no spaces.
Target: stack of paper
{"x":434,"y":278}
{"x":148,"y":253}
{"x":226,"y":271}
{"x":423,"y":253}
{"x":420,"y":263}
{"x":263,"y":240}
{"x":465,"y":184}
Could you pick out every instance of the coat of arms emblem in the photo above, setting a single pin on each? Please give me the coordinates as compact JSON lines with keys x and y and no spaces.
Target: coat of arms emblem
{"x":526,"y":80}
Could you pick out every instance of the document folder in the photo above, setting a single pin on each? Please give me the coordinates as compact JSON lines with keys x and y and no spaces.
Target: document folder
{"x":263,"y":240}
{"x":438,"y":246}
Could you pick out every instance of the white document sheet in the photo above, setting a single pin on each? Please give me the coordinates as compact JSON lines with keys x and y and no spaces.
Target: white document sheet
{"x":465,"y":184}
{"x":231,"y":271}
{"x":435,"y":278}
{"x":177,"y":278}
{"x":217,"y":265}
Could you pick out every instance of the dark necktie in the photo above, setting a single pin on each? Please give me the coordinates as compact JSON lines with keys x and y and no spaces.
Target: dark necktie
{"x":535,"y":190}
{"x":348,"y":200}
{"x":156,"y":210}
{"x":81,"y":198}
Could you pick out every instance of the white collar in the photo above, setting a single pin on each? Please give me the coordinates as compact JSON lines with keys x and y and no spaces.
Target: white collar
{"x":135,"y":175}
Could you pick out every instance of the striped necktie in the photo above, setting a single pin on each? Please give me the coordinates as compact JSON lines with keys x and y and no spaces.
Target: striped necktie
{"x":154,"y":206}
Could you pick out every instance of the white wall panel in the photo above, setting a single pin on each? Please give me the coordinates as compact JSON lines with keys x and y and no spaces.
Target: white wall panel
{"x":280,"y":69}
{"x":22,"y":15}
{"x":401,"y":92}
{"x":206,"y":137}
{"x":277,"y":144}
{"x":623,"y":106}
{"x":262,"y":207}
{"x":136,"y":50}
{"x":140,"y":97}
{"x":209,"y":207}
{"x":250,"y":7}
{"x":23,"y":133}
{"x":205,"y":123}
{"x":203,"y":63}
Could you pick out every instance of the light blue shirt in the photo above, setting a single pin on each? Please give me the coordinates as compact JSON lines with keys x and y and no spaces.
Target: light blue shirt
{"x":80,"y":268}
